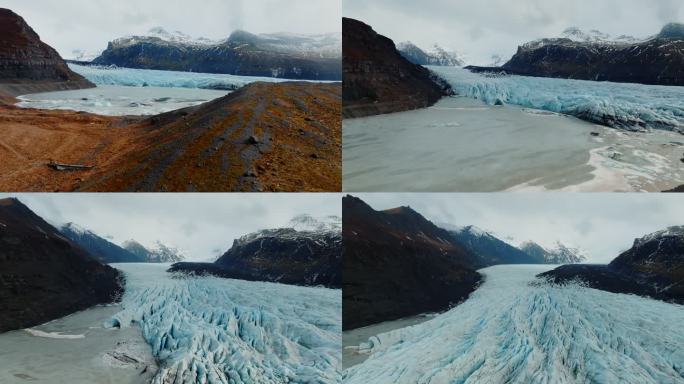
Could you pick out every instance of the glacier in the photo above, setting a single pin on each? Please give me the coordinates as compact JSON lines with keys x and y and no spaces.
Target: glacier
{"x":130,"y":77}
{"x":518,"y":329}
{"x":212,"y":330}
{"x":618,"y":105}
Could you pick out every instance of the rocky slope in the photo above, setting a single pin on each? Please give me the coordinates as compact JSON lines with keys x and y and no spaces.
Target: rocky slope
{"x":299,"y":254}
{"x":102,"y":249}
{"x":160,"y":253}
{"x":398,"y":264}
{"x":658,"y":60}
{"x":558,"y":254}
{"x":314,"y":57}
{"x":378,"y":79}
{"x":44,"y":275}
{"x":262,"y":137}
{"x":653,"y":267}
{"x":28,"y":65}
{"x":435,"y":56}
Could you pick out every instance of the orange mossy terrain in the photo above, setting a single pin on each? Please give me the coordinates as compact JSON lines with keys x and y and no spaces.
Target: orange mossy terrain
{"x":263,"y":137}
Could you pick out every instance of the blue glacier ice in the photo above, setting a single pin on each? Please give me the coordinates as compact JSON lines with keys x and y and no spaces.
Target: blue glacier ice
{"x":213,"y":330}
{"x":618,"y":105}
{"x":154,"y":78}
{"x":511,"y":331}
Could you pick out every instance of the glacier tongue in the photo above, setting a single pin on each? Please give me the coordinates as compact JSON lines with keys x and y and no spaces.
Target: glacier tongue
{"x":618,"y":105}
{"x":212,"y":330}
{"x":510,"y":331}
{"x":167,"y":79}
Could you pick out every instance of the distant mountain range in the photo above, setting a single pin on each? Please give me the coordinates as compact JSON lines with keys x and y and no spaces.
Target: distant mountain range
{"x":159,"y":253}
{"x":308,"y":251}
{"x":283,"y":55}
{"x":108,"y":252}
{"x":436,"y":55}
{"x":653,"y":267}
{"x":43,"y":274}
{"x":597,"y":56}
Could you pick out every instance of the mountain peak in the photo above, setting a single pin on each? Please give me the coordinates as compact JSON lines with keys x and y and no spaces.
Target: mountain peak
{"x":672,"y":31}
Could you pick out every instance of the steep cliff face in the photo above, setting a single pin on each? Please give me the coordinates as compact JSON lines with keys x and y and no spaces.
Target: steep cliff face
{"x":397,"y":264}
{"x":378,"y":79}
{"x":314,"y":57}
{"x":29,"y":65}
{"x":658,"y":60}
{"x":43,"y":275}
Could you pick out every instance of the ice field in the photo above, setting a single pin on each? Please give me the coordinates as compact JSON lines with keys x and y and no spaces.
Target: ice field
{"x":510,"y":331}
{"x":213,"y":330}
{"x":619,"y":105}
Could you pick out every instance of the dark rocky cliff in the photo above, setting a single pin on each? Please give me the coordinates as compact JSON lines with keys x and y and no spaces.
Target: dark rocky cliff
{"x":378,"y":79}
{"x":43,"y":275}
{"x":399,"y":264}
{"x":29,"y":65}
{"x":653,"y":267}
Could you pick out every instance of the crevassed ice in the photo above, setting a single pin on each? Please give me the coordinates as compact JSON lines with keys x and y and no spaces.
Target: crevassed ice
{"x":213,"y":330}
{"x":619,"y":105}
{"x":509,"y":331}
{"x":174,"y":79}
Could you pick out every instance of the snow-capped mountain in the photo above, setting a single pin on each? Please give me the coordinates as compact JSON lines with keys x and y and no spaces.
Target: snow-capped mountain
{"x":597,"y":56}
{"x":653,"y":267}
{"x":81,"y":55}
{"x":157,"y":34}
{"x":436,"y":55}
{"x":100,"y":248}
{"x":159,"y":253}
{"x":306,"y":252}
{"x":557,"y":254}
{"x":489,"y":248}
{"x":283,"y":55}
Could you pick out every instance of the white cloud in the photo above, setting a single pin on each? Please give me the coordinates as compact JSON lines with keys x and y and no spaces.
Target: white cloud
{"x":89,"y":25}
{"x":486,"y":27}
{"x":200,"y":224}
{"x":604,"y":224}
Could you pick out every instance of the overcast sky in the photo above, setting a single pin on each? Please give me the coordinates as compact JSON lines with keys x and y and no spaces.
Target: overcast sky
{"x":603,"y":224}
{"x":481,"y":28}
{"x":202,"y":225}
{"x":88,"y":25}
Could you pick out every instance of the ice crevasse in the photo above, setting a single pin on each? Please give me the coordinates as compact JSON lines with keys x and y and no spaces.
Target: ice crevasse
{"x":517,"y":329}
{"x":213,"y":330}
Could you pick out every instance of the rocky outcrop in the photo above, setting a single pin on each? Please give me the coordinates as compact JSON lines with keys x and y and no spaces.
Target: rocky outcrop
{"x":310,"y":256}
{"x":27,"y":64}
{"x":315,"y":57}
{"x":160,"y":253}
{"x":398,"y":264}
{"x":44,"y":275}
{"x":658,"y":60}
{"x":653,"y":267}
{"x":102,"y":249}
{"x":378,"y":79}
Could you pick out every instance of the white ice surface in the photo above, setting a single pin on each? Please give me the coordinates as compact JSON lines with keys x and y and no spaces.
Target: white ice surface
{"x":631,"y":104}
{"x":153,"y":78}
{"x":511,"y":332}
{"x":213,"y":330}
